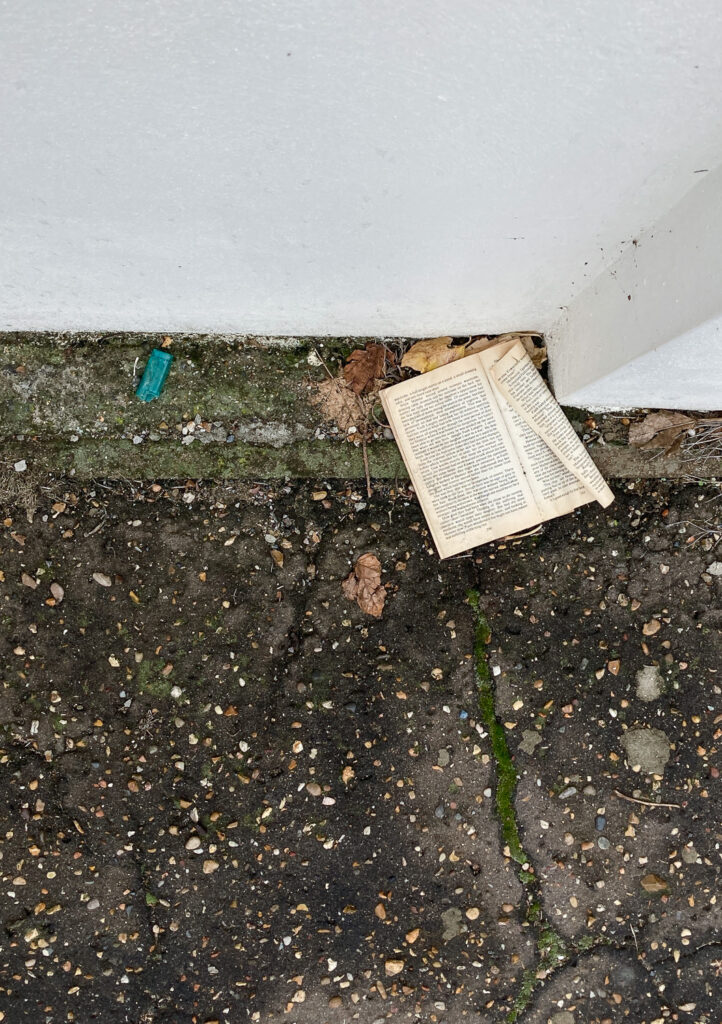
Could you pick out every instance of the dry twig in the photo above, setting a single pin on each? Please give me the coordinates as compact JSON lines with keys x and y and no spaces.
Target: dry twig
{"x":644,"y":803}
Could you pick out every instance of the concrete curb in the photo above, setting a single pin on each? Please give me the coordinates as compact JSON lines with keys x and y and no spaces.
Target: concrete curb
{"x":69,"y":408}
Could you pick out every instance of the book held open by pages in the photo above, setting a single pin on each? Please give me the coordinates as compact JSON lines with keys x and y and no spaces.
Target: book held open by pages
{"x":489,"y":451}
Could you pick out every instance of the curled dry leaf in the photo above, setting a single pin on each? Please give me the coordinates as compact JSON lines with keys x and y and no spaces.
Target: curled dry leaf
{"x":431,"y":353}
{"x":364,"y":586}
{"x":659,"y":429}
{"x":537,"y":353}
{"x":364,"y":366}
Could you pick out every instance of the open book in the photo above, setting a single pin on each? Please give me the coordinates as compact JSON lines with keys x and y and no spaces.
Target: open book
{"x":488,"y":449}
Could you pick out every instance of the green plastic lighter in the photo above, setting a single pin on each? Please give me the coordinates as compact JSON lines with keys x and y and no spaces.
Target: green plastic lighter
{"x":154,"y":375}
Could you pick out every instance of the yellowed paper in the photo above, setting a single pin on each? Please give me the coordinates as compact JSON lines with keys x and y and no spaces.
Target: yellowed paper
{"x":460,"y":457}
{"x":488,"y":449}
{"x":526,"y":393}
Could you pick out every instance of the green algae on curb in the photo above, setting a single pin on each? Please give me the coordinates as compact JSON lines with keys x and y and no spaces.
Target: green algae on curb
{"x":505,"y":770}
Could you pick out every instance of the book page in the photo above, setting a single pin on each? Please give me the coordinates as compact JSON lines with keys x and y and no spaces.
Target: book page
{"x":461,"y":460}
{"x":565,"y":460}
{"x":556,"y":489}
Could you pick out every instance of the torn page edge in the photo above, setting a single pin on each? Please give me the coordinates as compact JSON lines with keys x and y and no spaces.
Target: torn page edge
{"x":603,"y":494}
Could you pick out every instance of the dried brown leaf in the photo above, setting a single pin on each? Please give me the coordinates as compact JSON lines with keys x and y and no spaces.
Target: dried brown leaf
{"x":339,"y":405}
{"x":364,"y":586}
{"x":430,"y":353}
{"x":364,"y":366}
{"x":659,"y":429}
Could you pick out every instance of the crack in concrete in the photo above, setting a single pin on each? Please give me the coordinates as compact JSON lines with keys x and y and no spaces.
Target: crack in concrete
{"x":552,"y":951}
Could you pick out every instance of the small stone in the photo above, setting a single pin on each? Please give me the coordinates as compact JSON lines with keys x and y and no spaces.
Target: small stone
{"x":335,"y":1002}
{"x":649,"y":683}
{"x":715,"y":569}
{"x":654,"y":884}
{"x":21,"y":466}
{"x":393,"y":967}
{"x":563,"y":1017}
{"x":472,"y":913}
{"x":443,"y":757}
{"x":193,"y":843}
{"x":603,"y":843}
{"x":313,"y":788}
{"x":566,"y":793}
{"x":647,"y":749}
{"x":452,"y":921}
{"x":599,"y":822}
{"x":651,"y":627}
{"x":57,"y":591}
{"x":93,"y":904}
{"x":439,"y":811}
{"x":102,"y":579}
{"x":209,"y":866}
{"x":589,"y":791}
{"x":530,"y":740}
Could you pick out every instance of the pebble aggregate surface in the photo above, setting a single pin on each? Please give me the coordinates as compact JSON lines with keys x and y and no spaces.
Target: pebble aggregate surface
{"x":229,"y":794}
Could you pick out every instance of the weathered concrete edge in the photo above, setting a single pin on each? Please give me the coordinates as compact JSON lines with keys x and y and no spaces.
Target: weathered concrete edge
{"x":273,"y":408}
{"x":90,"y":458}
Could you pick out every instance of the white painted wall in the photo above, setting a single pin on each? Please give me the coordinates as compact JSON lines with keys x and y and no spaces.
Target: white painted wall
{"x":648,"y":330}
{"x":326,"y":166}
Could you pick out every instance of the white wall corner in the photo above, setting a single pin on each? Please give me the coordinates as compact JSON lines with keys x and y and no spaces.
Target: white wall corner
{"x":648,"y":331}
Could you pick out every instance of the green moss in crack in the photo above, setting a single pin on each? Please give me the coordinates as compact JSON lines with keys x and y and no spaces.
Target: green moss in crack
{"x":523,"y":996}
{"x":506,"y":777}
{"x":552,"y":954}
